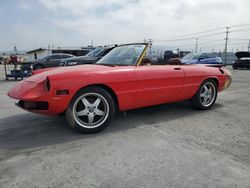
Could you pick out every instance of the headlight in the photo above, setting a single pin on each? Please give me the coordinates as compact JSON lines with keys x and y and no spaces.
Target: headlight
{"x":47,"y":84}
{"x":72,"y":63}
{"x":62,"y":63}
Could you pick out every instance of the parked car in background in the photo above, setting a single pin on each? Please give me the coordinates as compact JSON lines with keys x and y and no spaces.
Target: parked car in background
{"x":52,"y":60}
{"x":168,"y":54}
{"x":201,"y":58}
{"x":243,"y":60}
{"x":91,"y":58}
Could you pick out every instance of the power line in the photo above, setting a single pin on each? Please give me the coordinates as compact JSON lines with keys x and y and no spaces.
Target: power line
{"x":237,"y":39}
{"x":194,"y":35}
{"x":188,"y":38}
{"x":241,"y":25}
{"x":221,"y":44}
{"x":241,"y":30}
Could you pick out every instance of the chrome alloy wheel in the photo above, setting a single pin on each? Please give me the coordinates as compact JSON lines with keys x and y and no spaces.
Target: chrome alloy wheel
{"x":90,"y":110}
{"x":207,"y":94}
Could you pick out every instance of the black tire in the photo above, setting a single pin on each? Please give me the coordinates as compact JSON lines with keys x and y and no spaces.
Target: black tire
{"x":38,"y":66}
{"x":86,"y":123}
{"x":200,"y":103}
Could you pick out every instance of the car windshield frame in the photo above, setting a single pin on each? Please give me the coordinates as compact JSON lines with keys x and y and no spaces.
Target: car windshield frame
{"x":95,"y":52}
{"x":124,"y":55}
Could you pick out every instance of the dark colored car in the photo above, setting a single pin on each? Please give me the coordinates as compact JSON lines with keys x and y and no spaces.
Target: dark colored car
{"x":91,"y":58}
{"x":201,"y":58}
{"x":243,"y":60}
{"x":168,"y":54}
{"x":52,"y":60}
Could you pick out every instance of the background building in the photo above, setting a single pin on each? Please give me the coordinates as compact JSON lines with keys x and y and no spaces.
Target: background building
{"x":42,"y":52}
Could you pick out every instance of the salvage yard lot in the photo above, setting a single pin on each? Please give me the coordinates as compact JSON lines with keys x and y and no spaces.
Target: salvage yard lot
{"x":169,"y":145}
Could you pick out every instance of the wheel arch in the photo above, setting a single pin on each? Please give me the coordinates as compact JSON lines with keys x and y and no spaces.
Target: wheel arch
{"x":203,"y":80}
{"x":108,"y":89}
{"x":211,"y":78}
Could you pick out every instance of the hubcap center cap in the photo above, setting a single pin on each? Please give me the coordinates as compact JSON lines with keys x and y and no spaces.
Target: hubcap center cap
{"x":91,"y":110}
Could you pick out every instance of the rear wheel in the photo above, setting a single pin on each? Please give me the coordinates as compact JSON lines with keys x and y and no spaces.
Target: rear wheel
{"x":234,"y":67}
{"x":91,"y":110}
{"x":206,"y":95}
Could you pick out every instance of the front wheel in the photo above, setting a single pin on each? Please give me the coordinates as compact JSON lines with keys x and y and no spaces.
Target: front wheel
{"x":90,"y":110}
{"x":206,"y":96}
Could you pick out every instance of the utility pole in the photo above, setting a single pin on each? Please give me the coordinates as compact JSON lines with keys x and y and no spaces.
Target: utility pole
{"x":196,"y":45}
{"x":150,"y":42}
{"x":150,"y":45}
{"x":15,"y":50}
{"x":226,"y":39}
{"x":249,"y":46}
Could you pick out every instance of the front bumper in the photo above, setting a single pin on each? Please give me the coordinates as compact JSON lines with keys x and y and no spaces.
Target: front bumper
{"x":35,"y":98}
{"x":33,"y":105}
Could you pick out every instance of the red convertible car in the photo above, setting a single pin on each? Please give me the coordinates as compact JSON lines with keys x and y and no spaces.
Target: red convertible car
{"x":124,"y":79}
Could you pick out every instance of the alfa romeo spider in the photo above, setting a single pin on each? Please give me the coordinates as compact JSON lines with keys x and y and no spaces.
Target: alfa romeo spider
{"x":126,"y":78}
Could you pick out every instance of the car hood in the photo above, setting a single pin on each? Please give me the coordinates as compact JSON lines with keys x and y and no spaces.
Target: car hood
{"x":242,"y":54}
{"x":189,"y":61}
{"x":71,"y":71}
{"x":82,"y":58}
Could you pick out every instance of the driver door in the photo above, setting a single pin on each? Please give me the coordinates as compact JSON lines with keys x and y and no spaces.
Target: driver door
{"x":158,"y":84}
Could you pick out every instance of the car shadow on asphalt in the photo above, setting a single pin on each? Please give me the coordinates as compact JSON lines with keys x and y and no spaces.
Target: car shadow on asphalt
{"x":29,"y":131}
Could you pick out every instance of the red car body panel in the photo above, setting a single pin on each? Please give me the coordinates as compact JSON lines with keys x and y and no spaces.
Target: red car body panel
{"x":134,"y":86}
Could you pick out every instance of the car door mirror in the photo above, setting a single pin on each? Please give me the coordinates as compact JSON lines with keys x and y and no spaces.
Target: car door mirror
{"x":201,"y":58}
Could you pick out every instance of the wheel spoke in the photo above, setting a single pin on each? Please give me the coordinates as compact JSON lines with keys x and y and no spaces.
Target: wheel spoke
{"x":210,"y":91}
{"x":205,"y":88}
{"x":82,"y":112}
{"x":202,"y":95}
{"x":97,"y":102}
{"x":85,"y":102}
{"x":91,"y":118}
{"x":99,"y":112}
{"x":205,"y":100}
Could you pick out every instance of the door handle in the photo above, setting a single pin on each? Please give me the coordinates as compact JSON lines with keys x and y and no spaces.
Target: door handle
{"x":177,"y":68}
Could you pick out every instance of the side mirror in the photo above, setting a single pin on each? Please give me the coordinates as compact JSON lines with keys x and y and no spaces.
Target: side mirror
{"x":201,"y":58}
{"x":47,"y":59}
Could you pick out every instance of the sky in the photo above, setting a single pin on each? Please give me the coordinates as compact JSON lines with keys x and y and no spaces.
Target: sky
{"x":31,"y":24}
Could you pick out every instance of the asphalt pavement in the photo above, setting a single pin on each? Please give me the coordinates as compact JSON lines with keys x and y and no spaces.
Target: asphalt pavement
{"x":169,"y":145}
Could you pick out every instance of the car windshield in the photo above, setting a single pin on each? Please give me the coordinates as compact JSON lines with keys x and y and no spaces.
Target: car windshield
{"x":123,"y":55}
{"x":95,"y":52}
{"x":191,"y":56}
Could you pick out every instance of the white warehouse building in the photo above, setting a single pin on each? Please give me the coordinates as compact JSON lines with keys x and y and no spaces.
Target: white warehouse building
{"x":42,"y":52}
